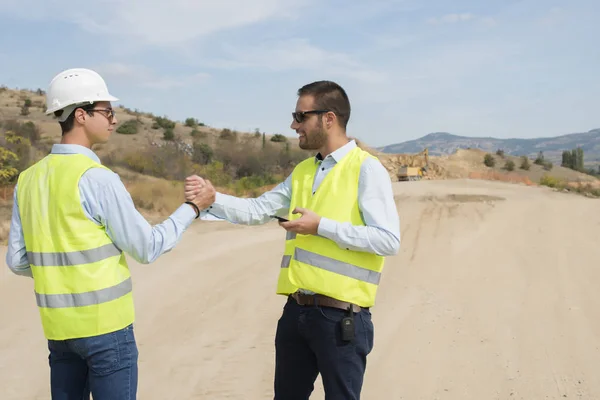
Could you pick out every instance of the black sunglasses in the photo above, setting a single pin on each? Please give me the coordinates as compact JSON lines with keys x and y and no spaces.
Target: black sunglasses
{"x":110,"y":112}
{"x":300,"y":116}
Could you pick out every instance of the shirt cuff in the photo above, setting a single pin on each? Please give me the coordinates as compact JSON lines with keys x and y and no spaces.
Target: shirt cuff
{"x":327,"y":228}
{"x":218,"y":207}
{"x":184,"y":215}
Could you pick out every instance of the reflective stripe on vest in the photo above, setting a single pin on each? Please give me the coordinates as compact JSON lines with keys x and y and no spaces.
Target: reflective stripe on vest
{"x":84,"y":299}
{"x":74,"y":257}
{"x":331,"y":265}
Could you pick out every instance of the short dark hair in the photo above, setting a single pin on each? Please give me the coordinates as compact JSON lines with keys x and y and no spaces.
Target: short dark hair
{"x":330,"y":96}
{"x":67,"y":124}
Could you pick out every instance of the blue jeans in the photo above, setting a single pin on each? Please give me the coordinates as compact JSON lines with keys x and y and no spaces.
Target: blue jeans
{"x":308,"y":342}
{"x":105,"y":365}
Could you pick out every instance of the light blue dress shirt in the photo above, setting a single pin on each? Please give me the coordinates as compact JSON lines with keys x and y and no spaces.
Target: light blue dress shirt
{"x":381,"y":233}
{"x":106,"y":202}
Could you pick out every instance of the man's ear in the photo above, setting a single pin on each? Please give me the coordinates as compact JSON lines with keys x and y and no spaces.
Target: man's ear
{"x":80,"y":115}
{"x":330,"y":118}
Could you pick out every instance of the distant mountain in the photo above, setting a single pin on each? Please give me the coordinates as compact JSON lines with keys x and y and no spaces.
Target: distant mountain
{"x":443,"y":143}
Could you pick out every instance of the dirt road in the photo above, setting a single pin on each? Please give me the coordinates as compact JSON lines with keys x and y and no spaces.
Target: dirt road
{"x":494,"y":295}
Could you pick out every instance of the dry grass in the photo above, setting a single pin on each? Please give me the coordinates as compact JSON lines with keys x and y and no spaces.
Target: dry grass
{"x":5,"y":215}
{"x":501,"y":176}
{"x":4,"y":230}
{"x":589,"y":189}
{"x":160,"y":197}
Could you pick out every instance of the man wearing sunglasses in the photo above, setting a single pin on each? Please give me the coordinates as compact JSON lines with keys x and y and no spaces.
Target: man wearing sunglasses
{"x":72,"y":223}
{"x":341,"y":223}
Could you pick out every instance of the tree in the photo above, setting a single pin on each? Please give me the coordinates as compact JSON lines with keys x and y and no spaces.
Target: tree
{"x":579,"y":162}
{"x":540,"y":158}
{"x":573,"y":159}
{"x":525,"y":163}
{"x":567,"y":159}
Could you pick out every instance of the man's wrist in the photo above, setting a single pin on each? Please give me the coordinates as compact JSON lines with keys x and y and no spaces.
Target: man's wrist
{"x":326,"y":227}
{"x":195,"y":207}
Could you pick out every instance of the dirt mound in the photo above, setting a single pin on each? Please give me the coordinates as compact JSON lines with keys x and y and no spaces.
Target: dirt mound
{"x":468,"y":163}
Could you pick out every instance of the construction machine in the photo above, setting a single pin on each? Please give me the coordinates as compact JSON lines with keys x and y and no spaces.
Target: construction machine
{"x":410,"y":173}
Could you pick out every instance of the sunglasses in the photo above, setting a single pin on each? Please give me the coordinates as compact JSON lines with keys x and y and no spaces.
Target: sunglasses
{"x":300,"y":116}
{"x":110,"y":112}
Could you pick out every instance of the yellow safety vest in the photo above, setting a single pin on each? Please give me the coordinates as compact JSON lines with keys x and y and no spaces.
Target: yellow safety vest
{"x":318,"y":264}
{"x":82,"y":282}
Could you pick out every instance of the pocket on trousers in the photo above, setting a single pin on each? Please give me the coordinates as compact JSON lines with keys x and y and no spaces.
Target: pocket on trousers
{"x":113,"y":351}
{"x":103,"y":353}
{"x":368,"y":329}
{"x":332,"y":314}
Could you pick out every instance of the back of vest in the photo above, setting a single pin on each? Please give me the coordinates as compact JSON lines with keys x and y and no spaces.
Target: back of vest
{"x":81,"y":279}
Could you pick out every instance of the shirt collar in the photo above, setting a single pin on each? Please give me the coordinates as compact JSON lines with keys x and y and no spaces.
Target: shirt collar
{"x":60,"y":148}
{"x":339,"y":153}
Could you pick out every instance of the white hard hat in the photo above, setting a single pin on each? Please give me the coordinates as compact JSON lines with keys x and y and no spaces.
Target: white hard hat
{"x":74,"y":87}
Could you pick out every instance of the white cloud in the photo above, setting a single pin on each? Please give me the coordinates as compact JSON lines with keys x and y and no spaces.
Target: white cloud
{"x":144,"y":77}
{"x":156,"y":22}
{"x":294,"y":54}
{"x":451,"y":18}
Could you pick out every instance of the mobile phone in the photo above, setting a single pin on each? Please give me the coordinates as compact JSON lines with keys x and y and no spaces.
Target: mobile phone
{"x":280,"y":219}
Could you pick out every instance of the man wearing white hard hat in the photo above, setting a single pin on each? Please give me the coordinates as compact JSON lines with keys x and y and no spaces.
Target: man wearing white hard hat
{"x":73,"y":221}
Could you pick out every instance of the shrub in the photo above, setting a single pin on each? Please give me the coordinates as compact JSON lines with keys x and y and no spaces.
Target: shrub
{"x":20,"y":146}
{"x":510,"y":165}
{"x":128,"y":127}
{"x":500,"y":152}
{"x":227,"y":134}
{"x":191,"y":122}
{"x":489,"y":160}
{"x":169,"y":134}
{"x":163,"y":122}
{"x":28,"y":130}
{"x":8,"y":162}
{"x":551,"y":181}
{"x":203,"y":153}
{"x":278,"y":138}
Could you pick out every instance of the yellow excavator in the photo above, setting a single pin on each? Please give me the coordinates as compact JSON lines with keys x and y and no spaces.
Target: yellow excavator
{"x":406,"y":173}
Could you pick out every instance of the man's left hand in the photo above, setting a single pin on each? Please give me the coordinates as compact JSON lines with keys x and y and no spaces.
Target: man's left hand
{"x":307,"y":224}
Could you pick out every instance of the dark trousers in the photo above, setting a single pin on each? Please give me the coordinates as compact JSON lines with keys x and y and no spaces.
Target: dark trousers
{"x":308,"y":342}
{"x":105,"y":365}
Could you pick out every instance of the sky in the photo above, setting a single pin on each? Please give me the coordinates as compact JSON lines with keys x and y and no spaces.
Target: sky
{"x":500,"y":68}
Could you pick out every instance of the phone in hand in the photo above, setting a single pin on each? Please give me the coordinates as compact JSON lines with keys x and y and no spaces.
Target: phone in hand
{"x":280,"y":219}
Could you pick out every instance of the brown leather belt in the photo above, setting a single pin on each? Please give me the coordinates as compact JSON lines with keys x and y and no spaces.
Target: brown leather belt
{"x":304,"y":299}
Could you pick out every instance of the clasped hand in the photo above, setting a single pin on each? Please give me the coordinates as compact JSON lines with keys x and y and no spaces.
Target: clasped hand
{"x":202,"y":193}
{"x":199,"y":191}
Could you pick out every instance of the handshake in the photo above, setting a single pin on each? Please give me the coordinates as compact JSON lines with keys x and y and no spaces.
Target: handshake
{"x":199,"y":191}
